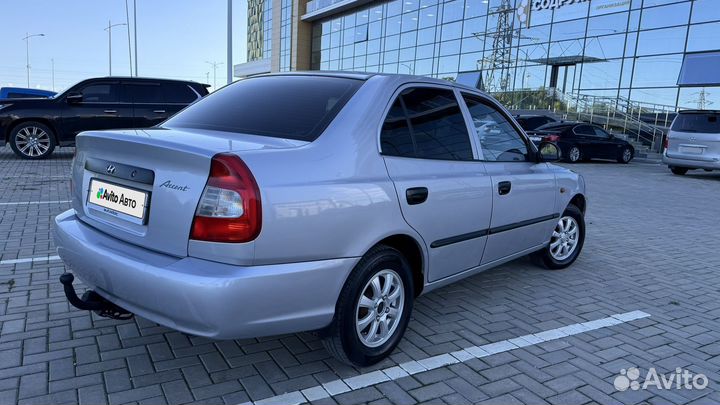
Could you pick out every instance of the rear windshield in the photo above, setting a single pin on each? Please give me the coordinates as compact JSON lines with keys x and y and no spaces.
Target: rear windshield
{"x":292,"y":107}
{"x":697,"y":122}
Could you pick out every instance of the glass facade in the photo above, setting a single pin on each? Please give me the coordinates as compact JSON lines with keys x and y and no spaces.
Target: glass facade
{"x":631,"y":49}
{"x":285,"y":34}
{"x":259,"y":29}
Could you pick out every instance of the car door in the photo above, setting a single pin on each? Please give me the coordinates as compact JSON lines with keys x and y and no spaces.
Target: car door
{"x":443,"y":191}
{"x":608,"y":146}
{"x":104,"y":105}
{"x":148,"y":103}
{"x":585,"y":137}
{"x":523,"y":190}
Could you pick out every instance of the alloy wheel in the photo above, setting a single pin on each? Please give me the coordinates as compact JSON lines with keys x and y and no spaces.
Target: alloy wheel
{"x":627,"y":155}
{"x":32,"y":141}
{"x":564,"y":239}
{"x":379,"y":308}
{"x":574,"y":154}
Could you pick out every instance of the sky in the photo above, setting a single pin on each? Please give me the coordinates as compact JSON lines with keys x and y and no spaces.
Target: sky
{"x":175,"y":40}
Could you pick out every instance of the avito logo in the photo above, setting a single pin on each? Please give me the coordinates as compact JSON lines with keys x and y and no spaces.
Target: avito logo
{"x":103,"y":194}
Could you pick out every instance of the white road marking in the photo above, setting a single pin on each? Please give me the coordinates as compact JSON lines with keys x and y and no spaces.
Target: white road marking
{"x":30,"y":260}
{"x":413,"y":367}
{"x":36,"y":202}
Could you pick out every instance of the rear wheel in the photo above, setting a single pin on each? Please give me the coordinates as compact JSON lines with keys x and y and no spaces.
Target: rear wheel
{"x":680,"y":171}
{"x":32,"y":140}
{"x":373,"y":310}
{"x":565,"y":243}
{"x":625,"y":156}
{"x":574,"y":154}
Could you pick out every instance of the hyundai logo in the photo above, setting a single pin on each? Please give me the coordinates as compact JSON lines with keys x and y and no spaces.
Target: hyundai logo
{"x":110,"y":169}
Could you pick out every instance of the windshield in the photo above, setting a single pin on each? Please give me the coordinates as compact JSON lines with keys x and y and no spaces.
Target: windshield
{"x":706,"y":122}
{"x":292,"y":107}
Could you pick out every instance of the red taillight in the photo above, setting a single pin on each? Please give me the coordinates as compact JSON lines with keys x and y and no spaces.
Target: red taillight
{"x":551,"y":138}
{"x":666,"y":142}
{"x":229,"y":209}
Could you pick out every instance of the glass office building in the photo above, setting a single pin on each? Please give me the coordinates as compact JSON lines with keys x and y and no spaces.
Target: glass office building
{"x":648,"y":53}
{"x":627,"y":49}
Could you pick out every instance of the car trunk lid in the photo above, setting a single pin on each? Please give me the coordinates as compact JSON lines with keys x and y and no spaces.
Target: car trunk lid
{"x":164,"y":171}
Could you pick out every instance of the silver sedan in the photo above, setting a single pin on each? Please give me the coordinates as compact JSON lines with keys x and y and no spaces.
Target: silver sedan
{"x":312,"y":201}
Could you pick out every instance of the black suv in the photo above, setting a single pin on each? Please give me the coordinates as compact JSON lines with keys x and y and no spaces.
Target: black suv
{"x":34,"y":126}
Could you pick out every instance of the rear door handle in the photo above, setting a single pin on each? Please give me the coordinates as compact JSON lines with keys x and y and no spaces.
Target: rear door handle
{"x":504,"y":187}
{"x":416,"y":195}
{"x":110,"y":111}
{"x":159,"y":111}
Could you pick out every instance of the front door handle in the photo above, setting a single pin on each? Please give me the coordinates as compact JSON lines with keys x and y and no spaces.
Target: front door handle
{"x":110,"y":111}
{"x":416,"y":195}
{"x":159,"y":111}
{"x":504,"y":187}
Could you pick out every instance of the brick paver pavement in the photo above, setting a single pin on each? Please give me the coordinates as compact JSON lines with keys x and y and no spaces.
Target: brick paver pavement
{"x":652,"y":245}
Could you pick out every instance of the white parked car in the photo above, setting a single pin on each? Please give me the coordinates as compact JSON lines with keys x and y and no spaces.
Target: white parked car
{"x":693,"y":142}
{"x":311,"y":201}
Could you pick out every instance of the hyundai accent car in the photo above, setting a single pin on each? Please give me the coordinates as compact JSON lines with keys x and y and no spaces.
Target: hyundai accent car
{"x":35,"y":126}
{"x":311,"y":202}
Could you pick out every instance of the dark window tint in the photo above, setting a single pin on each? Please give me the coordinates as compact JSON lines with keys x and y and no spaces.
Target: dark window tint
{"x":24,"y":95}
{"x":294,"y":107}
{"x":100,"y":93}
{"x":395,"y":139}
{"x":146,"y":93}
{"x":178,"y":93}
{"x":435,"y":123}
{"x":584,"y":130}
{"x":600,"y":133}
{"x":500,"y":141}
{"x":697,"y":122}
{"x":555,"y":126}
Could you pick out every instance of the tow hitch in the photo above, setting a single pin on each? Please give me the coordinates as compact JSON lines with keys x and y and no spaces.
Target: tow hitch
{"x":92,"y":301}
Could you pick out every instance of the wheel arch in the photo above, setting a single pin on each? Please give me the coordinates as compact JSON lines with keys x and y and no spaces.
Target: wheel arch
{"x":410,"y":248}
{"x":43,"y":121}
{"x":579,"y":201}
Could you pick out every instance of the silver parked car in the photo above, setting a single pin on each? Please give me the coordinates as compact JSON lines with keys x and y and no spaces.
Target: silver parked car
{"x":693,"y":142}
{"x":311,"y":201}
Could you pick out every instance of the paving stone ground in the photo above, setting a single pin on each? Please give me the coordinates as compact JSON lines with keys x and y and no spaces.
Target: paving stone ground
{"x":652,"y":245}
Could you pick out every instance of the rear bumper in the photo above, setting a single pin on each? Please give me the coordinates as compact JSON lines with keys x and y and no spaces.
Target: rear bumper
{"x":201,"y":297}
{"x":691,"y":162}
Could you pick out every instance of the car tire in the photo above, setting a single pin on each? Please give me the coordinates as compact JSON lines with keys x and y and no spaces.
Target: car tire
{"x":574,"y":154}
{"x":32,"y":140}
{"x":680,"y":171}
{"x":344,"y":338}
{"x":626,"y":155}
{"x":569,"y":231}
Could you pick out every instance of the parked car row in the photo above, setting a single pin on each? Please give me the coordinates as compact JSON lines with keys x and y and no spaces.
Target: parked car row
{"x":35,"y":126}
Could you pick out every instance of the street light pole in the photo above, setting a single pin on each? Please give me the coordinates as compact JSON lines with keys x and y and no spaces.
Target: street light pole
{"x":214,"y":66}
{"x":27,"y":53}
{"x":135,"y":34}
{"x":127,"y":19}
{"x":109,"y":30}
{"x":229,"y":42}
{"x":52,"y":62}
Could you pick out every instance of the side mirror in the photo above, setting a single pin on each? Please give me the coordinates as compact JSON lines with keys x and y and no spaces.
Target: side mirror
{"x":74,"y":98}
{"x":549,"y":152}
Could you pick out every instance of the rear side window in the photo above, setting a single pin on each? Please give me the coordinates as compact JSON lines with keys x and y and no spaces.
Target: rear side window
{"x":178,"y":93}
{"x":146,"y":93}
{"x":100,"y":93}
{"x":697,"y":122}
{"x":292,"y":107}
{"x":426,"y":123}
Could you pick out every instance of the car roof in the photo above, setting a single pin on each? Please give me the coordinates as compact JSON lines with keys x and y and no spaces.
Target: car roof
{"x":154,"y":79}
{"x":699,"y":112}
{"x":399,"y":78}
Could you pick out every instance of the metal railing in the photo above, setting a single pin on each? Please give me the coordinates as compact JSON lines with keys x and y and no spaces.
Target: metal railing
{"x":646,"y":123}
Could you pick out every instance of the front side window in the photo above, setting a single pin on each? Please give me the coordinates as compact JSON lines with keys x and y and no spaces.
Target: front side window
{"x":499,"y":140}
{"x":426,"y":123}
{"x":100,"y":93}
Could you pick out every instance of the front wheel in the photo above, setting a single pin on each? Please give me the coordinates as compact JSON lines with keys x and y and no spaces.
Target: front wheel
{"x":373,"y":310}
{"x":625,"y":156}
{"x":565,"y":243}
{"x":574,"y":154}
{"x":32,"y":140}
